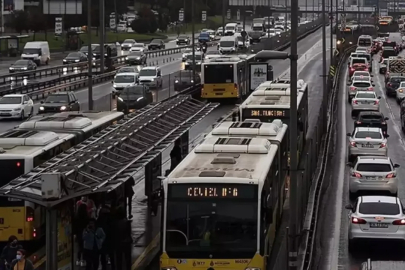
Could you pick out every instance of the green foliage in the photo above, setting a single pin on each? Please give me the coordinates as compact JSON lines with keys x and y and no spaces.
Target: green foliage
{"x":163,"y":21}
{"x":37,"y":20}
{"x":19,"y":21}
{"x":146,"y":23}
{"x":140,"y":25}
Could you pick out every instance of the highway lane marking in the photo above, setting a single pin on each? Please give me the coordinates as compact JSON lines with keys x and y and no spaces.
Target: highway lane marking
{"x":335,"y":242}
{"x":147,"y":250}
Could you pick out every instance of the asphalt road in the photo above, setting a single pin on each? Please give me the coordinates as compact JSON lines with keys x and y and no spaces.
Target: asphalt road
{"x":332,"y":238}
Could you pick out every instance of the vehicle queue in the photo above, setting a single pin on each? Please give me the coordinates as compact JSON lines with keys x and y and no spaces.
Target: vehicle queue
{"x":380,"y":215}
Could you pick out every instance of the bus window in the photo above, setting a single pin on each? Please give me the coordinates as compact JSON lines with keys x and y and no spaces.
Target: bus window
{"x":11,"y":169}
{"x":218,"y":74}
{"x":365,"y":42}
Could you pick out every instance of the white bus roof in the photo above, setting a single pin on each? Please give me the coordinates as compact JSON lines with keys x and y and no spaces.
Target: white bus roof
{"x":22,"y":143}
{"x":274,"y":131}
{"x":229,"y":59}
{"x":226,"y":159}
{"x":273,"y":96}
{"x":84,"y":121}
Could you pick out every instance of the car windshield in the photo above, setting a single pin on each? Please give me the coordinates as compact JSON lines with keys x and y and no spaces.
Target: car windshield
{"x":373,"y":167}
{"x":197,"y":57}
{"x":21,"y":63}
{"x":10,"y":100}
{"x":31,"y":51}
{"x":156,"y":41}
{"x":358,"y":77}
{"x":365,"y":42}
{"x":127,"y":70}
{"x":128,"y":41}
{"x":183,"y":37}
{"x":361,"y":84}
{"x":135,"y":54}
{"x":402,"y":84}
{"x":367,"y":56}
{"x":358,"y":61}
{"x":368,"y":134}
{"x":124,"y":79}
{"x":57,"y":99}
{"x":225,"y":44}
{"x":373,"y":117}
{"x":185,"y":76}
{"x":365,"y":95}
{"x":272,"y":31}
{"x":75,"y":55}
{"x":230,"y":28}
{"x":188,"y":50}
{"x":133,"y":91}
{"x":147,"y":72}
{"x":388,"y":53}
{"x":379,"y":208}
{"x":397,"y":79}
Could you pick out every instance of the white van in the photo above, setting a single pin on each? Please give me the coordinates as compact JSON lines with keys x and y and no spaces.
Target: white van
{"x":228,"y":44}
{"x":230,"y":29}
{"x":365,"y":41}
{"x":124,"y":79}
{"x":37,"y":51}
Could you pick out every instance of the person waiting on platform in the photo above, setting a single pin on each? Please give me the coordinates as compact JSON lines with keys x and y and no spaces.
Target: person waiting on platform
{"x":9,"y":252}
{"x":91,"y":206}
{"x":80,"y":223}
{"x":21,"y":263}
{"x":93,"y":240}
{"x":175,"y":155}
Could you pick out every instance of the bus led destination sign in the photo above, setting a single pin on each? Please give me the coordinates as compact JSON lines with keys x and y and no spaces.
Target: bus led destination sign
{"x":212,"y":191}
{"x":266,"y":113}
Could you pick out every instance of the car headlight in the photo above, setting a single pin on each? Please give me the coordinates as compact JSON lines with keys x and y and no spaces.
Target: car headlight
{"x":64,"y":60}
{"x":177,"y":40}
{"x":11,"y":68}
{"x":176,"y":81}
{"x":17,"y":109}
{"x":192,"y":81}
{"x":400,"y":90}
{"x":63,"y":108}
{"x":120,"y":99}
{"x":114,"y":85}
{"x":139,"y":98}
{"x":24,"y":68}
{"x":94,"y":59}
{"x":41,"y":108}
{"x":152,"y":80}
{"x":138,"y":58}
{"x":198,"y":63}
{"x":77,"y":60}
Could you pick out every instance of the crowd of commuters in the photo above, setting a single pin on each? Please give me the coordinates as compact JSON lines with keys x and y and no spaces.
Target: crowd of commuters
{"x":13,"y":256}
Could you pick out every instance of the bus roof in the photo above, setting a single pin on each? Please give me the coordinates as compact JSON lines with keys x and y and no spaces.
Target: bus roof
{"x":23,"y":143}
{"x":274,"y":131}
{"x":269,"y":95}
{"x":84,"y":121}
{"x":229,"y":59}
{"x":226,"y":159}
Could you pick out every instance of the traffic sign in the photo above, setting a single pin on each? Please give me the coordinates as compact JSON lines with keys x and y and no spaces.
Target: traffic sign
{"x":238,"y":15}
{"x":112,"y":21}
{"x":228,"y":14}
{"x":181,"y":15}
{"x":58,"y":26}
{"x":204,"y":15}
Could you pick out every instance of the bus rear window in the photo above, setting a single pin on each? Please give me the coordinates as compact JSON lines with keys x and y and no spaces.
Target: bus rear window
{"x":10,"y":169}
{"x":365,"y":42}
{"x":218,"y":74}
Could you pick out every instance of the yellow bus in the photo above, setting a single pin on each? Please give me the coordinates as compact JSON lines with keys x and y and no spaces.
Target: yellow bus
{"x":222,"y":204}
{"x":226,"y":77}
{"x":31,"y":144}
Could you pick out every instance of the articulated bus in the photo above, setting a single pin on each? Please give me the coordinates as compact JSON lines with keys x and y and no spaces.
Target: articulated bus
{"x":219,"y":205}
{"x":226,"y":77}
{"x":30,"y":145}
{"x":271,"y":100}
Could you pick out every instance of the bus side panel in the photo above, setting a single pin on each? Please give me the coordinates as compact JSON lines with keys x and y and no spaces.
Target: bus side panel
{"x":12,"y":222}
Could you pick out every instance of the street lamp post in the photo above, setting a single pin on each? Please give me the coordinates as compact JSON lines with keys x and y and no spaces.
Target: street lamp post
{"x":102,"y":35}
{"x":193,"y":35}
{"x":90,"y":57}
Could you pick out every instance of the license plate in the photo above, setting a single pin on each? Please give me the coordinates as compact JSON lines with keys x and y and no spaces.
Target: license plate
{"x":371,"y":178}
{"x":4,"y":113}
{"x":379,"y":225}
{"x":367,"y":146}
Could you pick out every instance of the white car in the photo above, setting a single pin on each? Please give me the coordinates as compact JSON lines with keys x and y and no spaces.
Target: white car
{"x":186,"y":53}
{"x":362,"y":49}
{"x":16,"y":106}
{"x":127,"y":44}
{"x":365,"y":101}
{"x":151,"y":76}
{"x":138,"y":47}
{"x":366,"y":141}
{"x":400,"y":92}
{"x":373,"y":173}
{"x":362,"y":75}
{"x":375,"y":218}
{"x":358,"y":85}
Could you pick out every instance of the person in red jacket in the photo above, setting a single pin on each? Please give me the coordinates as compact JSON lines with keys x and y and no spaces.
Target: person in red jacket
{"x":91,"y":207}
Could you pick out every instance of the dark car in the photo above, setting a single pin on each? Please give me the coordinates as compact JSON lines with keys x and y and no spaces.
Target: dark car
{"x":185,"y":80}
{"x":85,"y":49}
{"x":372,"y":119}
{"x":75,"y":57}
{"x":156,"y":44}
{"x":198,"y":61}
{"x":107,"y":47}
{"x":22,"y":66}
{"x":60,"y":102}
{"x":136,"y":58}
{"x":255,"y":36}
{"x":387,"y":52}
{"x":383,"y":66}
{"x":391,"y":44}
{"x":392,"y":84}
{"x":183,"y":40}
{"x":134,"y":97}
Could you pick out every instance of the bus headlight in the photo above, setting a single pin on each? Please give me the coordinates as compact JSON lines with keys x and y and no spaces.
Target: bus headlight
{"x":169,"y":268}
{"x":252,"y":268}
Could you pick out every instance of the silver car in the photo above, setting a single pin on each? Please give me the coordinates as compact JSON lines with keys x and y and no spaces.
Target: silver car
{"x":365,"y":101}
{"x":400,"y":92}
{"x":375,"y":218}
{"x":186,"y":53}
{"x":358,"y":85}
{"x":383,"y":66}
{"x":367,"y":141}
{"x":373,"y":173}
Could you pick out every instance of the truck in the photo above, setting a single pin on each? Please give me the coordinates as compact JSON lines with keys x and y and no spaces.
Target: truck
{"x":258,"y":24}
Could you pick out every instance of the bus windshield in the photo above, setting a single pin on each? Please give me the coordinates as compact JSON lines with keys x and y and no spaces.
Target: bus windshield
{"x":366,"y":42}
{"x":218,"y":74}
{"x":200,"y":227}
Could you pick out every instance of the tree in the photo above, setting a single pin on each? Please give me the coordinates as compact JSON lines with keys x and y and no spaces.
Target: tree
{"x":19,"y":21}
{"x":153,"y":25}
{"x":140,"y":25}
{"x":37,"y":21}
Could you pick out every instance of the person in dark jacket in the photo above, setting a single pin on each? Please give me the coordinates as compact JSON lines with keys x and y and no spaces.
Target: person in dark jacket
{"x":93,"y":240}
{"x":129,"y":193}
{"x":21,"y":262}
{"x":104,"y":221}
{"x":175,"y":155}
{"x":80,"y":223}
{"x":9,"y":252}
{"x":123,"y":240}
